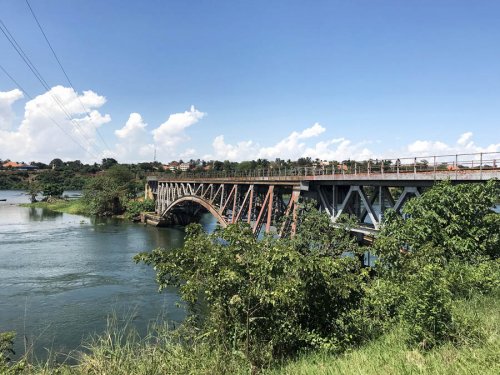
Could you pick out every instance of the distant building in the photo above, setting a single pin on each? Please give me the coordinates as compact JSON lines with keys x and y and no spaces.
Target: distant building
{"x":173,"y":166}
{"x":185,"y":167}
{"x":18,"y":166}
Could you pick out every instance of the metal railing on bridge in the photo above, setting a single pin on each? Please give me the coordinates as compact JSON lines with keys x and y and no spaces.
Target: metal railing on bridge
{"x":452,"y":165}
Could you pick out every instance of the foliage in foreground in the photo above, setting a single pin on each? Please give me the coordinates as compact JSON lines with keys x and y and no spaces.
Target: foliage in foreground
{"x":389,"y":355}
{"x":267,"y":298}
{"x":6,"y":351}
{"x":120,"y":351}
{"x":446,"y":248}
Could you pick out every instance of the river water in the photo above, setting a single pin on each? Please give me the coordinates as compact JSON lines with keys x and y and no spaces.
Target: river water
{"x":62,"y":275}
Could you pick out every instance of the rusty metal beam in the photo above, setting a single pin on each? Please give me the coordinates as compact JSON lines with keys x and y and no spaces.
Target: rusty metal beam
{"x":270,"y":209}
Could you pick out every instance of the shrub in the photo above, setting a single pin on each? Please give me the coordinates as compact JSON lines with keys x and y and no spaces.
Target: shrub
{"x":381,"y":306}
{"x":266,"y":298}
{"x":134,"y":208}
{"x":427,"y":311}
{"x":447,"y":222}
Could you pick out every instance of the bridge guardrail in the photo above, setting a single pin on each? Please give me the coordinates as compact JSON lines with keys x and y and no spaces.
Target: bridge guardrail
{"x":453,"y":165}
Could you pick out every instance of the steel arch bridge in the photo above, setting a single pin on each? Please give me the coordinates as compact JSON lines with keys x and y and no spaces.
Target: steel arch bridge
{"x":268,"y":199}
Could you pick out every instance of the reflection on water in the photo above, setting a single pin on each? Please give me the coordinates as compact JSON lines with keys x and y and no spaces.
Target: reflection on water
{"x":39,"y":214}
{"x":62,"y":275}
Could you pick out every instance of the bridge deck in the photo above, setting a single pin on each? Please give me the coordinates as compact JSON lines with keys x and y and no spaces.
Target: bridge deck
{"x":399,"y":178}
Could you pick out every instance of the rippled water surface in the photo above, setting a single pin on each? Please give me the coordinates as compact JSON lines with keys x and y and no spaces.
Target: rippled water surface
{"x":62,"y":275}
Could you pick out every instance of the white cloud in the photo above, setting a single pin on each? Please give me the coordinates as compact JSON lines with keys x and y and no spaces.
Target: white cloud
{"x":295,"y":146}
{"x":313,"y":131}
{"x":464,"y":138}
{"x":134,"y":142}
{"x":339,"y":149}
{"x":46,"y":131}
{"x":188,"y":154}
{"x":7,"y":98}
{"x":171,"y":132}
{"x":419,"y":147}
{"x":37,"y":137}
{"x":464,"y":144}
{"x":133,"y":127}
{"x":291,"y":147}
{"x":245,"y":150}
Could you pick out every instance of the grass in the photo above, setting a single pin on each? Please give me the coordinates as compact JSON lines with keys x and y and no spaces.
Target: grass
{"x":75,"y":207}
{"x":121,"y":351}
{"x":388,"y":354}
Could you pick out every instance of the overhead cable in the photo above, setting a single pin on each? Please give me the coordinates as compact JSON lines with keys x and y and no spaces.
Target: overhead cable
{"x":40,"y":78}
{"x":63,"y":70}
{"x":47,"y":114}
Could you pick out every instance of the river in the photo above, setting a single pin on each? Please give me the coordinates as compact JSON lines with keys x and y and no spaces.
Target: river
{"x":62,"y":275}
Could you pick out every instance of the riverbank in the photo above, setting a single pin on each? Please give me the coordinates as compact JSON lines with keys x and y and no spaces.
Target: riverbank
{"x":133,"y":208}
{"x":121,"y":351}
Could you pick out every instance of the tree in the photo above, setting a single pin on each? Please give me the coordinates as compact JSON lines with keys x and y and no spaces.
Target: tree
{"x":108,"y":163}
{"x":447,"y":222}
{"x":34,"y":188}
{"x":52,"y":190}
{"x":218,"y":165}
{"x":56,"y":163}
{"x":106,"y":194}
{"x":266,"y":298}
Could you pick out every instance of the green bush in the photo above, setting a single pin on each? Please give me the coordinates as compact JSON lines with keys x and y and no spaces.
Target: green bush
{"x":107,"y":193}
{"x":447,"y":222}
{"x":445,"y":248}
{"x":133,"y":208}
{"x":52,"y":190}
{"x":267,"y":298}
{"x":381,"y":306}
{"x":427,"y":311}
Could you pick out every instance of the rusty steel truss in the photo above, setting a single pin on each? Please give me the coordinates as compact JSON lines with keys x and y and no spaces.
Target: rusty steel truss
{"x":264,"y":206}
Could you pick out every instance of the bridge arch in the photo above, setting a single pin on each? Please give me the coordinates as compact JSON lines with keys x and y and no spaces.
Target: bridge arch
{"x":202,"y":202}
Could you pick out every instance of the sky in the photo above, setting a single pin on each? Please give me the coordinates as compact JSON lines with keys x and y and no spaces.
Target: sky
{"x":242,"y":80}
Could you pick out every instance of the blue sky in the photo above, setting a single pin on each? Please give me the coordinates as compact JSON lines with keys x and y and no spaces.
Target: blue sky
{"x":378,"y":78}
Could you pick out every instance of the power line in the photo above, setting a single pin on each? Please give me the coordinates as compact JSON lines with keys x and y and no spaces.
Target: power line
{"x":40,"y":78}
{"x":63,"y":70}
{"x":46,"y":113}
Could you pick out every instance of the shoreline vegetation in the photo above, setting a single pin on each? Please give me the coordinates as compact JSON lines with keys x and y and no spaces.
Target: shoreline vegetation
{"x":73,"y":206}
{"x":310,"y":304}
{"x":120,"y":350}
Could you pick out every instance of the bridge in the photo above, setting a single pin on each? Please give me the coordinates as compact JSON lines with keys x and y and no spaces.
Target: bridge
{"x":268,"y":199}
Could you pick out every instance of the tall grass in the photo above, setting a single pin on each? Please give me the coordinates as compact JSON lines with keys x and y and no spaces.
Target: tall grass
{"x":120,"y":350}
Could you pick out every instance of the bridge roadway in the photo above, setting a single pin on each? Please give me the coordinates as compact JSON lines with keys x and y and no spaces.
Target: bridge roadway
{"x":268,"y":199}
